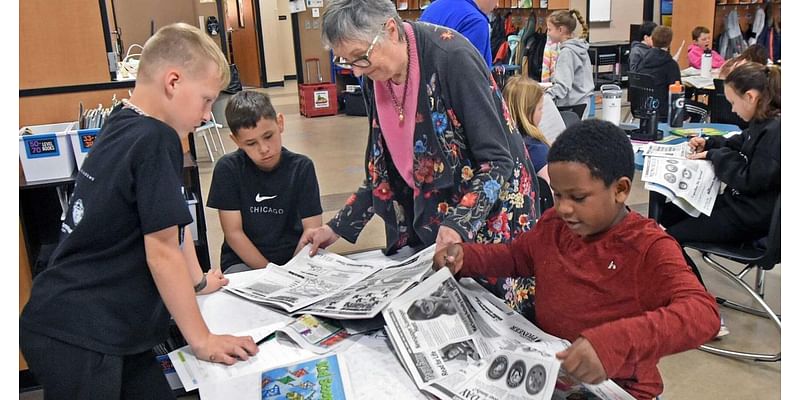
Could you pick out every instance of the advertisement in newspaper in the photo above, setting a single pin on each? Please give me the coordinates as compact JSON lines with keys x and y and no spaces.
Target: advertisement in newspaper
{"x":317,"y":379}
{"x":367,"y":298}
{"x":691,"y":184}
{"x":316,"y":334}
{"x":304,"y":280}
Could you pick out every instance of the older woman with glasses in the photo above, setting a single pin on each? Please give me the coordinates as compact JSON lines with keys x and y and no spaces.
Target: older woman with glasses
{"x":444,"y":161}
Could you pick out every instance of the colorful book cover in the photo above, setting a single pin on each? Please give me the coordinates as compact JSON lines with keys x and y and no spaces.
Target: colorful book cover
{"x":697,"y":132}
{"x":317,"y":379}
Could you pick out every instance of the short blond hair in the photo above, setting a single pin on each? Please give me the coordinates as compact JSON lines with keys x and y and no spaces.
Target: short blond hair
{"x":182,"y":45}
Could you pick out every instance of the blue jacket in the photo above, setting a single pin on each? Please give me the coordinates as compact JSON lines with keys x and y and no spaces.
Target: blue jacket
{"x":466,"y":18}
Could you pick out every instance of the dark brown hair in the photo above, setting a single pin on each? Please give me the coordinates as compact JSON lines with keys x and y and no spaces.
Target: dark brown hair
{"x":697,"y":31}
{"x":570,"y":19}
{"x":662,"y":37}
{"x":762,"y":78}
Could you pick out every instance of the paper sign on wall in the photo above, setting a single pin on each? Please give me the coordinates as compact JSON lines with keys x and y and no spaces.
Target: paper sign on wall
{"x":314,"y":3}
{"x":296,"y":6}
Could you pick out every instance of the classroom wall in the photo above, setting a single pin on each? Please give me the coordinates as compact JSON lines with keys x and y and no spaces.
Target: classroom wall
{"x":271,"y":39}
{"x":623,"y":14}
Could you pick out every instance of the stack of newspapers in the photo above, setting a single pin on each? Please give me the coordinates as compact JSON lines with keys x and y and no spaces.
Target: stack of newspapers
{"x":691,"y":185}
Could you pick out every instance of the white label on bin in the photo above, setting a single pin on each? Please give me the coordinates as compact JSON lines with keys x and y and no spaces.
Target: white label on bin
{"x":321,"y":99}
{"x":40,"y":146}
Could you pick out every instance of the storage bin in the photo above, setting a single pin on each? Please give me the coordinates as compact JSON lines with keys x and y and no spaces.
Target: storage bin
{"x":46,"y":153}
{"x":82,"y":141}
{"x":318,"y":99}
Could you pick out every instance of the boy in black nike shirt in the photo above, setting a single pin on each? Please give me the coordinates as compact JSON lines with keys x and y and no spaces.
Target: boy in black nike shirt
{"x":266,"y":195}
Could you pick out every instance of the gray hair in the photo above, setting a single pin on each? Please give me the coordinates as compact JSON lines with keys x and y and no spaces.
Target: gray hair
{"x":355,"y":20}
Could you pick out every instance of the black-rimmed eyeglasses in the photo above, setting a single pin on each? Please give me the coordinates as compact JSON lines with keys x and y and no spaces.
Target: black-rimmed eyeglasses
{"x":361,"y":62}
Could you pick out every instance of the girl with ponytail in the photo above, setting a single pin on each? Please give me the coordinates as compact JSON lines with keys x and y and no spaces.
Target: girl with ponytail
{"x":748,"y":163}
{"x":572,"y":78}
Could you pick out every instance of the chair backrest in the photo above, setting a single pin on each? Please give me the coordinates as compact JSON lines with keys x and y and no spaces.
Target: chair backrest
{"x":545,"y":195}
{"x":578,"y":109}
{"x":570,"y":118}
{"x":772,"y":253}
{"x":641,"y":88}
{"x":720,"y":108}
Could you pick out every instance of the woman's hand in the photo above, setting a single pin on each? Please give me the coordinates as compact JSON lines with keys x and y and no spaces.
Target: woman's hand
{"x":322,"y":237}
{"x":446,"y":237}
{"x":698,"y":156}
{"x":214,"y":281}
{"x":581,"y":362}
{"x":697,"y":144}
{"x":451,"y":257}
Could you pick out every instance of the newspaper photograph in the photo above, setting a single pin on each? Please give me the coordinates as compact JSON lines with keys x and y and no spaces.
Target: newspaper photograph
{"x":691,"y":184}
{"x":680,"y":150}
{"x":367,"y":298}
{"x":304,"y":280}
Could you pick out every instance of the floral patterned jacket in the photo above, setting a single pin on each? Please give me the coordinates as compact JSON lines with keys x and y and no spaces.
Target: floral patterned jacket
{"x":471,"y":169}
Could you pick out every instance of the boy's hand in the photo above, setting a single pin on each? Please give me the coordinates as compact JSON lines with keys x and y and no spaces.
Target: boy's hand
{"x":581,"y":362}
{"x":697,"y":144}
{"x":698,"y":156}
{"x":214,"y":281}
{"x":323,"y":237}
{"x":451,"y":257}
{"x":226,"y":349}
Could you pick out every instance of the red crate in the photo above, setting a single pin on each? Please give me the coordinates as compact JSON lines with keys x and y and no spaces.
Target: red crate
{"x":318,"y":99}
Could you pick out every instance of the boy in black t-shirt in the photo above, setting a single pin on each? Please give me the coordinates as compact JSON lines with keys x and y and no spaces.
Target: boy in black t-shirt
{"x":99,"y":308}
{"x":266,"y":195}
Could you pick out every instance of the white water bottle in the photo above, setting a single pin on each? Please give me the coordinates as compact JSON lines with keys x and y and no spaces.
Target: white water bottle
{"x":705,"y":64}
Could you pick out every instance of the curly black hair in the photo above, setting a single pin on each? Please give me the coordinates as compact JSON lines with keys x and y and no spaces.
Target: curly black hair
{"x":600,"y":145}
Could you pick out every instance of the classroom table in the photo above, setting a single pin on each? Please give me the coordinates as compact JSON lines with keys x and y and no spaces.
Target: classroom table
{"x":670,"y":138}
{"x":374,"y":370}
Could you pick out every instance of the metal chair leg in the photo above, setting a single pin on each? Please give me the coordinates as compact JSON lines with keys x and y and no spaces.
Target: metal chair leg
{"x":208,"y":147}
{"x":758,"y":297}
{"x":219,"y":137}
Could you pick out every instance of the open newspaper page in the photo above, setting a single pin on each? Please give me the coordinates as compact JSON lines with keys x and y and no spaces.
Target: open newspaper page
{"x":367,"y":298}
{"x":458,"y":341}
{"x":316,"y":334}
{"x":691,"y":184}
{"x":434,"y":331}
{"x":304,"y":280}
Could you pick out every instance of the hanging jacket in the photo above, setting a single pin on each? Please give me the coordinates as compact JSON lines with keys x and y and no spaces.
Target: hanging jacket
{"x":549,"y":59}
{"x":771,"y":40}
{"x":731,"y":42}
{"x":572,"y":81}
{"x":497,"y":30}
{"x":534,"y":53}
{"x":758,"y":25}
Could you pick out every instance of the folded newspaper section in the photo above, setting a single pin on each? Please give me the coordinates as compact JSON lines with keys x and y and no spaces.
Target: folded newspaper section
{"x":304,"y":280}
{"x":366,"y":298}
{"x":691,"y":184}
{"x":461,"y":342}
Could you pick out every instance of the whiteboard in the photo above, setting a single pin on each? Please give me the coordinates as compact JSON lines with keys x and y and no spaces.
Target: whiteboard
{"x":599,"y":10}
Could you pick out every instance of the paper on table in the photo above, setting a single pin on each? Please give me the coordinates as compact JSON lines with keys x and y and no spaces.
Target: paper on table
{"x":273,"y":353}
{"x":226,"y":313}
{"x":316,"y":379}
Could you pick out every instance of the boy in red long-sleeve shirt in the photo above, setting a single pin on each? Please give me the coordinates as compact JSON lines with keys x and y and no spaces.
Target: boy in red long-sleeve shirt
{"x":607,"y":279}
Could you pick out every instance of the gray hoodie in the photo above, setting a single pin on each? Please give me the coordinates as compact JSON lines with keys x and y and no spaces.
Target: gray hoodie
{"x":572,"y":79}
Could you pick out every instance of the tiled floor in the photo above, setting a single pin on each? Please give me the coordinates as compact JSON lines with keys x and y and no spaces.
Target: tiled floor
{"x":336,"y":145}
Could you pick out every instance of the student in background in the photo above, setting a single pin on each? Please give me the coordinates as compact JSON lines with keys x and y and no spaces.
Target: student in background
{"x":609,"y":280}
{"x":755,"y":53}
{"x":658,"y":63}
{"x":640,"y":47}
{"x":98,"y":310}
{"x":701,"y":40}
{"x":267,"y":196}
{"x":749,"y":164}
{"x":572,"y":78}
{"x":525,"y":100}
{"x":467,"y":17}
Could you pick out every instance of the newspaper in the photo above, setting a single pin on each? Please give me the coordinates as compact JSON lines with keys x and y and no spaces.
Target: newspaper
{"x":691,"y":185}
{"x":461,"y":342}
{"x":304,"y":280}
{"x":316,"y":334}
{"x":366,"y":298}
